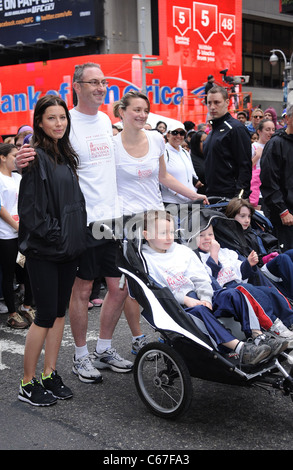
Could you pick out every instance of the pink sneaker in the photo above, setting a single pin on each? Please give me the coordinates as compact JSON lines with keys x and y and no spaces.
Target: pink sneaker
{"x":97,"y":302}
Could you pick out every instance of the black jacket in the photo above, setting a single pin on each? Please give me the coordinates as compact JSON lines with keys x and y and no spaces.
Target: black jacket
{"x":262,"y":242}
{"x":51,"y":211}
{"x":227,"y":152}
{"x":277,"y":174}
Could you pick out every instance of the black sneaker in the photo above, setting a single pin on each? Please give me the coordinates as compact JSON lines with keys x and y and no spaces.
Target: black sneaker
{"x":35,"y":394}
{"x":54,"y":384}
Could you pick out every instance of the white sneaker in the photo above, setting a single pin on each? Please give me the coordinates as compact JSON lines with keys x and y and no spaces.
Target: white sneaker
{"x":3,"y":308}
{"x":110,"y":359}
{"x":85,"y":370}
{"x":279,"y":330}
{"x":139,"y":343}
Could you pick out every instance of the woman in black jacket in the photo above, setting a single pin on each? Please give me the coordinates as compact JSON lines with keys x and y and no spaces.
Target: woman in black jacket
{"x":196,"y":154}
{"x":51,"y":235}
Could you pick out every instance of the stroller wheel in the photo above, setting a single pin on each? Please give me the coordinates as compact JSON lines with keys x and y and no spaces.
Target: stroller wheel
{"x":163,"y":383}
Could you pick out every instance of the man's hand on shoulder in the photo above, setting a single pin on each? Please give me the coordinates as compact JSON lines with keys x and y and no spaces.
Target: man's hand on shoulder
{"x":25,"y":155}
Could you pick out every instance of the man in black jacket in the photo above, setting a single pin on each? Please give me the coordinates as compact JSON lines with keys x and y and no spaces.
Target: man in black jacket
{"x":277,"y":182}
{"x":227,"y":150}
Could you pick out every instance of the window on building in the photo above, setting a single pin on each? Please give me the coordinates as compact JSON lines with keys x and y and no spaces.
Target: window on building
{"x":258,"y":39}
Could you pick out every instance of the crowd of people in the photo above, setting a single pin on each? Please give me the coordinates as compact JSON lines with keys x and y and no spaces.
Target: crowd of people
{"x":73,"y":168}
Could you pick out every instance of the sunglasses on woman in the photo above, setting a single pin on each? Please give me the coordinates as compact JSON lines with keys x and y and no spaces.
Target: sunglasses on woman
{"x":182,"y":133}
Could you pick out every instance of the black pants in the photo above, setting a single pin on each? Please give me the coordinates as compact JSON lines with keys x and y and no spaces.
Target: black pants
{"x":8,"y":255}
{"x":51,"y":285}
{"x":284,"y":234}
{"x":22,"y":277}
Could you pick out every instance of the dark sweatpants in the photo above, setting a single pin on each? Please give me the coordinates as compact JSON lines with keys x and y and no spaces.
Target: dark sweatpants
{"x":51,"y":286}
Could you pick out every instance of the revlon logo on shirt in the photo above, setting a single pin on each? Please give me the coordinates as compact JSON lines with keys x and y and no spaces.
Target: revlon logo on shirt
{"x":98,"y":148}
{"x":176,"y":281}
{"x":225,"y":275}
{"x":144,"y":173}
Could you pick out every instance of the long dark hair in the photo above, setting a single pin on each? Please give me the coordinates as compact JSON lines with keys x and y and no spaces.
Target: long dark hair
{"x":62,"y":151}
{"x":194,"y":143}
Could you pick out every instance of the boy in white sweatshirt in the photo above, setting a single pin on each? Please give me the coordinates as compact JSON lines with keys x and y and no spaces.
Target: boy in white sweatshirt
{"x":178,"y":267}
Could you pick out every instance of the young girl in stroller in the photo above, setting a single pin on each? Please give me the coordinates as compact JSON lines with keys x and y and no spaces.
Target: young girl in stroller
{"x":277,"y":266}
{"x":177,"y":267}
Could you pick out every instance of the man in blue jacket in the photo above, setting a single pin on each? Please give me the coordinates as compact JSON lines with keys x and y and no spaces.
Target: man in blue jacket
{"x":227,"y":150}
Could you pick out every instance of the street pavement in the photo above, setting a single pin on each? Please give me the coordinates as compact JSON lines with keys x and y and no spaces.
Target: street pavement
{"x":109,"y":417}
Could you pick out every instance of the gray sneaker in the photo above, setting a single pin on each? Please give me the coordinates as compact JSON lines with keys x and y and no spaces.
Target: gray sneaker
{"x":85,"y":370}
{"x":110,"y":359}
{"x":277,"y":344}
{"x":252,"y":354}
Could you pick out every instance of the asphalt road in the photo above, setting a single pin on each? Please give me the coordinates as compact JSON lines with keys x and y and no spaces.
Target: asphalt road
{"x":110,"y":417}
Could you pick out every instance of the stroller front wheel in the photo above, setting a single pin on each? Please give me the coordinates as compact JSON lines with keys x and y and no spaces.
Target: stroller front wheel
{"x":162,"y":380}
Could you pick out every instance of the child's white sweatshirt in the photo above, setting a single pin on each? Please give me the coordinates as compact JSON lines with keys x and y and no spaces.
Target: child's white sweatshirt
{"x":180,"y":269}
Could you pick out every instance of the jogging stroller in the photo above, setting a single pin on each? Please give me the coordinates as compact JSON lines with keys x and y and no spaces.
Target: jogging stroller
{"x":163,"y":369}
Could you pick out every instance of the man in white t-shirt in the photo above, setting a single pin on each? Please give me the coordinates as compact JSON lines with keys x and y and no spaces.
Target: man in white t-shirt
{"x":91,"y":137}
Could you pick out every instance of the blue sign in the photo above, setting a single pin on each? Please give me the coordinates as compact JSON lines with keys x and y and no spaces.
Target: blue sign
{"x":25,"y":21}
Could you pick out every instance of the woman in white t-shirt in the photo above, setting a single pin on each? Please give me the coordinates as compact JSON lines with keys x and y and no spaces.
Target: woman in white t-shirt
{"x":140,"y":164}
{"x":179,"y":164}
{"x":9,"y":189}
{"x":265,"y":130}
{"x":140,"y":169}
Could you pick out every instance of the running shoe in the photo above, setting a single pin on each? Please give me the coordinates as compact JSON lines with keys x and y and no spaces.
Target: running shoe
{"x":110,"y":359}
{"x":279,"y":330}
{"x":28,"y":313}
{"x":252,"y":354}
{"x":17,"y":322}
{"x":3,"y":308}
{"x":138,"y":344}
{"x":97,"y":302}
{"x":277,"y":344}
{"x":85,"y":370}
{"x":35,"y":394}
{"x":54,"y":384}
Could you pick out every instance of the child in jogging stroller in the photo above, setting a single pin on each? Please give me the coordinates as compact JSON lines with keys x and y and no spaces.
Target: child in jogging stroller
{"x":276,"y":264}
{"x":190,"y":346}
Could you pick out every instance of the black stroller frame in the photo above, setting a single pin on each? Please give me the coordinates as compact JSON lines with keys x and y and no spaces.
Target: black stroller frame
{"x":163,"y":369}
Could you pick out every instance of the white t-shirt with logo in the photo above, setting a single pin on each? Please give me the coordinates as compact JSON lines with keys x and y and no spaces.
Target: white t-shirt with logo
{"x":230,"y":266}
{"x":138,"y":178}
{"x":179,"y":165}
{"x":9,"y":190}
{"x":92,"y":139}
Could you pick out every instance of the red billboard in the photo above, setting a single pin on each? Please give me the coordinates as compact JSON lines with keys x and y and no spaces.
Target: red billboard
{"x":196,"y":39}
